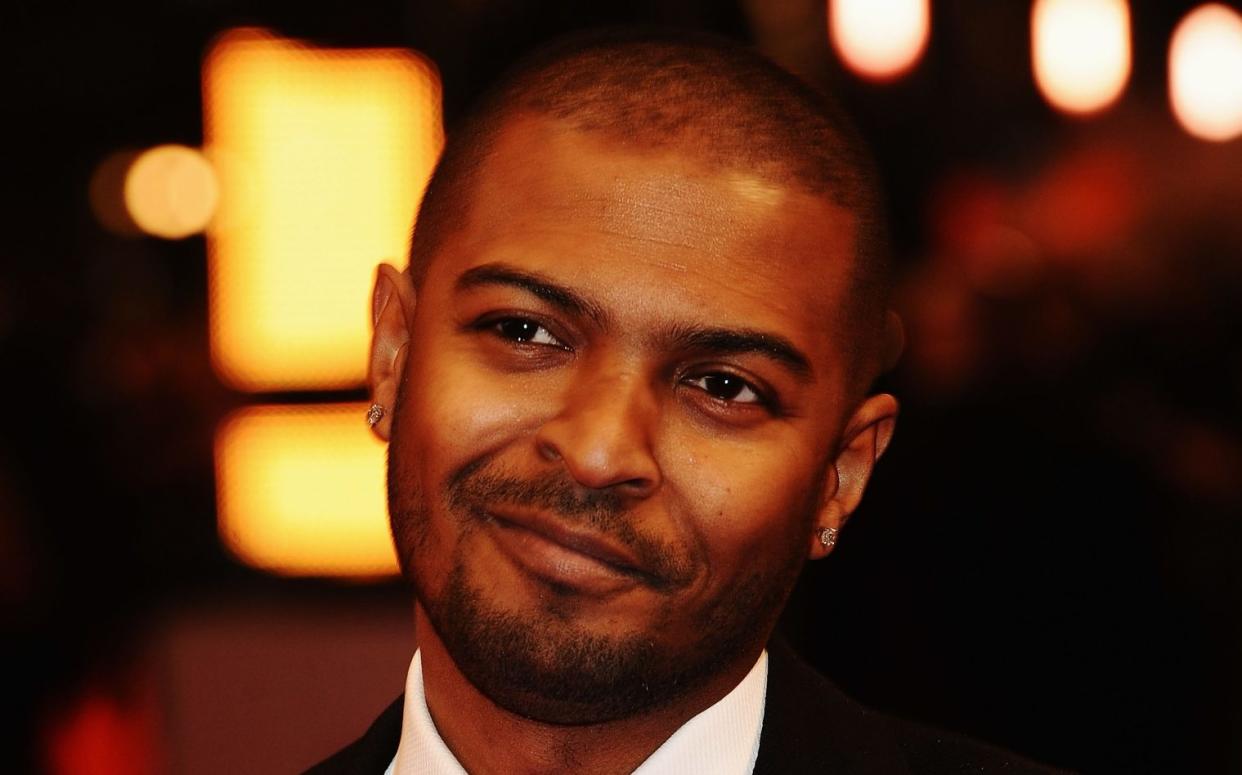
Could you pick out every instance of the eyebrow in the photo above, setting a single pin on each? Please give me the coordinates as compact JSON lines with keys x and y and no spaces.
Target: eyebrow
{"x":723,"y":341}
{"x":533,"y":283}
{"x":707,"y":340}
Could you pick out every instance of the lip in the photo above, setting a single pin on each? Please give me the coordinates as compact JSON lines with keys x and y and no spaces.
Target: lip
{"x":562,"y":554}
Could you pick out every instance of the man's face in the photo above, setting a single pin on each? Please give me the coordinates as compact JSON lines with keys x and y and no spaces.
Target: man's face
{"x":623,"y":394}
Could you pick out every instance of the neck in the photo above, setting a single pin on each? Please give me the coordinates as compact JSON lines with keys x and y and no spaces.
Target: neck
{"x":488,"y":739}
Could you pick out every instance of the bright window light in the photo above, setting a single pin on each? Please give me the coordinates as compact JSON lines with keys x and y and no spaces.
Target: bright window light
{"x":879,"y":39}
{"x":1205,"y":72}
{"x":301,"y":491}
{"x":323,"y":155}
{"x":1080,"y":52}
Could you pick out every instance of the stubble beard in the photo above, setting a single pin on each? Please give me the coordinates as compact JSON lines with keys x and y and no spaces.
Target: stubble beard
{"x":541,"y":664}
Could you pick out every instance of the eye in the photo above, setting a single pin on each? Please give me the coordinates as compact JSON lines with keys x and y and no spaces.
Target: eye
{"x":726,"y":387}
{"x":525,"y":331}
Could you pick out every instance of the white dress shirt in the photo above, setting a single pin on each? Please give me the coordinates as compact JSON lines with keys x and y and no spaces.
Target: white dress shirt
{"x":721,"y":740}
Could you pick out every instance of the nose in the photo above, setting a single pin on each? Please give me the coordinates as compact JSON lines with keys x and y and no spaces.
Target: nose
{"x":603,"y":434}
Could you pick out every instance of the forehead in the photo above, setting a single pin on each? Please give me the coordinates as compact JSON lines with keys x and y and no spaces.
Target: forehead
{"x":655,"y":225}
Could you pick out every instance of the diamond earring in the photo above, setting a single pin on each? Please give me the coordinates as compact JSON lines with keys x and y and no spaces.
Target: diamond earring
{"x":828,"y":536}
{"x":375,"y":413}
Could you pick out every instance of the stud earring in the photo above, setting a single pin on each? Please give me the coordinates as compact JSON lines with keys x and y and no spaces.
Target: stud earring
{"x":375,"y":413}
{"x":828,"y":536}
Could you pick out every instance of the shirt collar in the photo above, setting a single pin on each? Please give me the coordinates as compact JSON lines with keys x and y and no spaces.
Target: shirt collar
{"x":721,"y":740}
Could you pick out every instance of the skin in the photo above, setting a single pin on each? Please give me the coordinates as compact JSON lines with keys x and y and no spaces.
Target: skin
{"x":724,"y":464}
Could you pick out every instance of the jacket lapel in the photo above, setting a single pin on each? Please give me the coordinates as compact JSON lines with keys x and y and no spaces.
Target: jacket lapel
{"x":810,"y":726}
{"x":371,"y":753}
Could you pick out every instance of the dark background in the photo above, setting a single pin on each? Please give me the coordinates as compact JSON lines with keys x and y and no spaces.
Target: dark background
{"x":1048,"y":556}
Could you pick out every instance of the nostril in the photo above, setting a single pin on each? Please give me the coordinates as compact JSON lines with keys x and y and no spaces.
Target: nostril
{"x":639,"y":487}
{"x":547,"y":451}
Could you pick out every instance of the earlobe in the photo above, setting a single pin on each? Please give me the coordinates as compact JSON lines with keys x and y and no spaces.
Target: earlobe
{"x":826,"y":530}
{"x":392,"y":308}
{"x":867,"y":436}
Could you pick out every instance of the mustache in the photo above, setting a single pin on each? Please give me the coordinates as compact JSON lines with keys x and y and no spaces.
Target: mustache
{"x":474,"y":486}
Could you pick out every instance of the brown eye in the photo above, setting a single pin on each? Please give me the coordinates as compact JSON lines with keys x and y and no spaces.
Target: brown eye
{"x":726,"y":387}
{"x":525,"y":331}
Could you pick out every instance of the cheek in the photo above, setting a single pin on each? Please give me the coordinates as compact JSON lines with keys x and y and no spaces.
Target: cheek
{"x":746,"y":501}
{"x":451,"y":414}
{"x":458,"y":410}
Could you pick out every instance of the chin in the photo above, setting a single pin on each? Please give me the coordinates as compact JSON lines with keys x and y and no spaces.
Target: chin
{"x":548,"y":669}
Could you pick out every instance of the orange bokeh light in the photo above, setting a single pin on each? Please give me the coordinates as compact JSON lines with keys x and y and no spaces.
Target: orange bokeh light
{"x":1080,"y":52}
{"x":171,"y":191}
{"x":879,"y":39}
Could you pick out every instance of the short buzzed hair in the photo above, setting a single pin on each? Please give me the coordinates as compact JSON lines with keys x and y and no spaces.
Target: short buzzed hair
{"x":715,"y":100}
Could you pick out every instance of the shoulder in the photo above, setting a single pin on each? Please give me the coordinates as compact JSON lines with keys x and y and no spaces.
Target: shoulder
{"x":371,"y":753}
{"x":935,"y":751}
{"x":811,"y":726}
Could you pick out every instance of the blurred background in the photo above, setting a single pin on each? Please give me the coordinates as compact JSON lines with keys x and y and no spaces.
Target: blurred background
{"x":194,"y":569}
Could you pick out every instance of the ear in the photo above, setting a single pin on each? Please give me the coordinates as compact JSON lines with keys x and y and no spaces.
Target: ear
{"x":392,"y":317}
{"x":866,"y":436}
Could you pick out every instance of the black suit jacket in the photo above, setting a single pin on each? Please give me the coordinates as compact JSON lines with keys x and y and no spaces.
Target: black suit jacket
{"x":809,"y":726}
